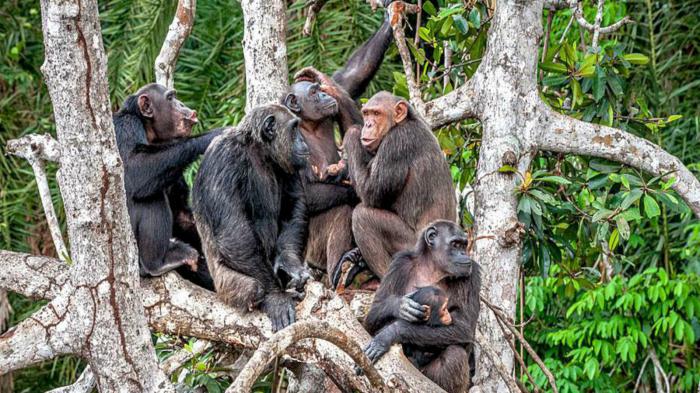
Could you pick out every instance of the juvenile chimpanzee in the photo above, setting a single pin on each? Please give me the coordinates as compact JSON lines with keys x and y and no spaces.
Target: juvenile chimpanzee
{"x":435,"y":299}
{"x":250,"y":210}
{"x":401,"y":177}
{"x":320,"y":102}
{"x":153,"y":135}
{"x":440,"y":260}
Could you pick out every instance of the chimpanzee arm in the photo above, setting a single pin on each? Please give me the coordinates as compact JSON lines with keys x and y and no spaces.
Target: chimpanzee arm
{"x":290,"y":242}
{"x":391,"y":302}
{"x":365,"y":61}
{"x":323,"y":196}
{"x":380,"y":181}
{"x":184,"y":227}
{"x":424,"y":335}
{"x":151,"y":168}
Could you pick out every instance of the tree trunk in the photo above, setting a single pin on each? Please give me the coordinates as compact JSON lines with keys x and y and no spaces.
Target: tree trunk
{"x":265,"y":51}
{"x":6,"y":385}
{"x":98,"y":314}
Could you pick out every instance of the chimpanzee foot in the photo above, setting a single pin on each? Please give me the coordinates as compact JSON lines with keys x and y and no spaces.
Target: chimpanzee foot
{"x":279,"y":307}
{"x":349,"y":266}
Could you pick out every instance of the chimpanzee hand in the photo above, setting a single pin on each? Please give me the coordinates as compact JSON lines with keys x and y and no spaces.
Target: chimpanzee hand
{"x":293,"y":274}
{"x":279,"y":307}
{"x":349,"y":266}
{"x":412,"y":311}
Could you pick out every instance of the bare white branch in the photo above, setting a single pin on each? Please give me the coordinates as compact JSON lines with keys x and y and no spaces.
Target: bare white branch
{"x":32,"y":276}
{"x":565,"y":134}
{"x":37,"y":149}
{"x":43,"y":336}
{"x":280,"y":341}
{"x":179,"y":30}
{"x":84,"y":384}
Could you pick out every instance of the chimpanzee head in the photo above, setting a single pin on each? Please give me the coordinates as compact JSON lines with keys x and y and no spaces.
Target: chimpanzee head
{"x":381,"y":113}
{"x":163,"y":115}
{"x":446,"y":243}
{"x":276,"y":129}
{"x":436,"y":299}
{"x":309,"y":102}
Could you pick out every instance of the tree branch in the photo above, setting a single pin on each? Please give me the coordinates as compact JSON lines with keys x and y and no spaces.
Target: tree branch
{"x":500,"y":368}
{"x":84,"y":384}
{"x":37,"y":149}
{"x":313,"y":11}
{"x":175,"y":306}
{"x":43,"y":336}
{"x":397,"y":12}
{"x":179,"y":30}
{"x":280,"y":341}
{"x":32,"y":276}
{"x":565,"y":134}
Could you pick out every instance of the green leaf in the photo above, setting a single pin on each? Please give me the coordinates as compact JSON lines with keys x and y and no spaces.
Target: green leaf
{"x":651,"y":208}
{"x":632,"y":197}
{"x":425,"y":34}
{"x":544,"y":197}
{"x":586,"y":71}
{"x":475,"y":17}
{"x":623,"y":227}
{"x":601,"y":215}
{"x":599,"y":83}
{"x":636,"y":58}
{"x":673,"y":118}
{"x":461,"y":23}
{"x":576,"y":93}
{"x":554,"y":67}
{"x":507,"y":169}
{"x":554,"y":179}
{"x":429,"y":8}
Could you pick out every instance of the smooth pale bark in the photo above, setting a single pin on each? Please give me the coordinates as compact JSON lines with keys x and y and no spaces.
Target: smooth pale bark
{"x":265,"y":51}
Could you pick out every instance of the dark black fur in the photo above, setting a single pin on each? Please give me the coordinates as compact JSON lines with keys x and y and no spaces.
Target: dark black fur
{"x":434,"y":298}
{"x":250,"y":210}
{"x":441,"y":352}
{"x":150,"y":172}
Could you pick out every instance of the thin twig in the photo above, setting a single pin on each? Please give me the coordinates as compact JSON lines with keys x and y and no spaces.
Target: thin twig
{"x":518,"y":356}
{"x":397,"y":12}
{"x":501,"y":315}
{"x":659,"y":373}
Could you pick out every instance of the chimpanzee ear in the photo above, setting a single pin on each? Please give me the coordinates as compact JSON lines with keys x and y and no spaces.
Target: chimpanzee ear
{"x":291,"y":102}
{"x":145,"y":106}
{"x":268,"y":128}
{"x":429,"y":237}
{"x":400,"y":111}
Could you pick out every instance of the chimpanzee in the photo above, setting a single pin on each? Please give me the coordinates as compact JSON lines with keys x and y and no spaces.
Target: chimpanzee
{"x":249,"y":208}
{"x":401,"y":177}
{"x":320,"y":102}
{"x":435,"y":299}
{"x":439,"y":259}
{"x":153,"y":136}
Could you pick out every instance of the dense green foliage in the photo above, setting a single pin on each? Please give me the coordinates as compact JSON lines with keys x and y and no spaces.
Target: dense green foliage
{"x":580,"y":214}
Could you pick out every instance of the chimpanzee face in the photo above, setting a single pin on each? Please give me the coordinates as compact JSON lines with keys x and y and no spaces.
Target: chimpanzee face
{"x":448,"y":243}
{"x":308,"y":101}
{"x":166,"y":117}
{"x":381,"y":113}
{"x":279,"y":128}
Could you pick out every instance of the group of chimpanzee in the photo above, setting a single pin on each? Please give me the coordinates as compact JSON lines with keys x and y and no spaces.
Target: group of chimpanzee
{"x":274,"y":195}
